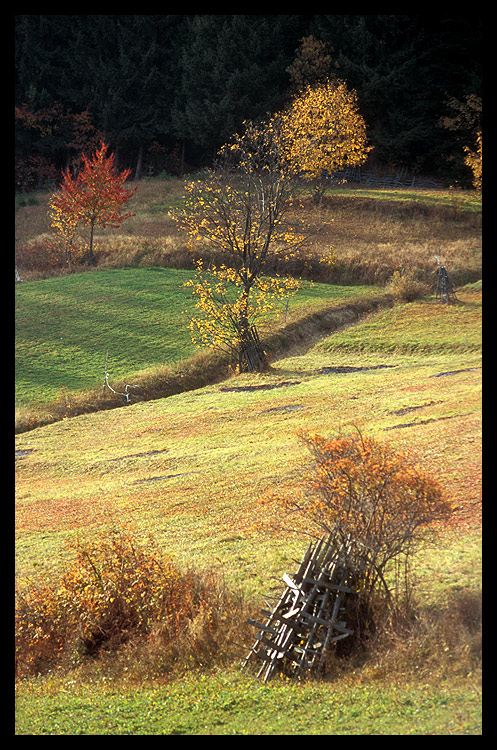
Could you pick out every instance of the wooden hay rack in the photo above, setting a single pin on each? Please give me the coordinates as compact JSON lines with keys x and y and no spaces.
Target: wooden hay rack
{"x":297,"y":634}
{"x":445,"y":291}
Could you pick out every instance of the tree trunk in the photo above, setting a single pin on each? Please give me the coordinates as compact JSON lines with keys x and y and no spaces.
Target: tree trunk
{"x":182,"y":168}
{"x":251,"y":356}
{"x":18,"y":278}
{"x":91,"y":257}
{"x":139,"y":164}
{"x":243,"y":328}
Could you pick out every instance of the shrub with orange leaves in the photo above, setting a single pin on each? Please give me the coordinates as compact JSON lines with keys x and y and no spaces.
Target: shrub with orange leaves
{"x":118,"y":595}
{"x":373,"y":498}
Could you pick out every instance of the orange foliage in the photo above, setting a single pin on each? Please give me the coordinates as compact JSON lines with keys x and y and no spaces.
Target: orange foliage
{"x":371,"y":496}
{"x":115,"y":593}
{"x":95,"y":197}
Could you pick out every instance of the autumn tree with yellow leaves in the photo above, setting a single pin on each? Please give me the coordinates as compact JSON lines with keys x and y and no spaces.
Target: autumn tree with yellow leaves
{"x":474,"y":161}
{"x":239,"y":209}
{"x":322,"y":131}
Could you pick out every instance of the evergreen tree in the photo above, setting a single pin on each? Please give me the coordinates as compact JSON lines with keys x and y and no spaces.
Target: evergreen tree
{"x":194,"y":79}
{"x":380,"y":57}
{"x":122,"y":81}
{"x":404,"y":68}
{"x":121,"y":68}
{"x":233,"y":68}
{"x":42,"y":43}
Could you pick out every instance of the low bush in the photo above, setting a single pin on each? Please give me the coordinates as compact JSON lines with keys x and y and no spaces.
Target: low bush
{"x":372,"y":496}
{"x":405,"y":287}
{"x":119,"y":598}
{"x":46,"y":256}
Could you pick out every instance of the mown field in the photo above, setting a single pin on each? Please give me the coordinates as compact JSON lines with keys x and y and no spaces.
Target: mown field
{"x":66,"y":326}
{"x":193,"y":469}
{"x":231,"y":704}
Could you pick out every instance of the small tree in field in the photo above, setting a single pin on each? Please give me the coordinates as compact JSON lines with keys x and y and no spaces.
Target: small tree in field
{"x":239,"y":211}
{"x":95,"y":197}
{"x":322,"y":131}
{"x":372,"y":498}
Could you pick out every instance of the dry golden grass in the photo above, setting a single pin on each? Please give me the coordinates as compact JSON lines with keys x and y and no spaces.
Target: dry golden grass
{"x":126,"y":599}
{"x":373,"y":233}
{"x":373,"y":237}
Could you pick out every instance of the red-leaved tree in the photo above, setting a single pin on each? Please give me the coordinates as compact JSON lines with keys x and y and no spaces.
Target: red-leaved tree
{"x":95,"y":197}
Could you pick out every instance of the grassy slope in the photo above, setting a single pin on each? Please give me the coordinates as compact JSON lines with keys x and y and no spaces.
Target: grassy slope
{"x":233,"y":704}
{"x":65,"y":326}
{"x":192,"y":468}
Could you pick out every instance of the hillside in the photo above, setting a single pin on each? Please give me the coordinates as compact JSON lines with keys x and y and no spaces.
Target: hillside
{"x":194,"y":465}
{"x":192,"y":470}
{"x":66,"y":325}
{"x":61,"y":349}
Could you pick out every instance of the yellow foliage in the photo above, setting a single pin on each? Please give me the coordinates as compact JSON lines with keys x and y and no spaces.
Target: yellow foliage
{"x":224,"y":307}
{"x":240,"y":210}
{"x":63,"y":222}
{"x":322,"y":131}
{"x":474,"y":161}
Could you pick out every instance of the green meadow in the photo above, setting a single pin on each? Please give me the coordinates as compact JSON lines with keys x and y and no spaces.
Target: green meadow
{"x":191,"y":473}
{"x":65,"y":326}
{"x":232,"y":704}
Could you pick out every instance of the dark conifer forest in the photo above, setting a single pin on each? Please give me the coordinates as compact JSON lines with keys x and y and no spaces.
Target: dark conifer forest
{"x":166,"y":91}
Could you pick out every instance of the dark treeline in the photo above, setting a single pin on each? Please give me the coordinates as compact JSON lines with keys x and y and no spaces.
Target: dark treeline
{"x":166,"y":91}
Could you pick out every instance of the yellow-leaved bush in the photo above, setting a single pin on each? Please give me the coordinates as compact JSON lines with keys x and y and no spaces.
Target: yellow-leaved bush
{"x":474,"y":160}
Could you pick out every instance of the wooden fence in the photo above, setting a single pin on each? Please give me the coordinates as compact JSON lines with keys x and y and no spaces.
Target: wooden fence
{"x":402,"y":177}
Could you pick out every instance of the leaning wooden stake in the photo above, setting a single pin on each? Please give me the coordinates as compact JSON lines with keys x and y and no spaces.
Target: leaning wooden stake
{"x":126,"y":394}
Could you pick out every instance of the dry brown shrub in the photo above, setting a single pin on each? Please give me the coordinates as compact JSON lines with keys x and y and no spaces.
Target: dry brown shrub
{"x":123,"y":601}
{"x":404,"y":286}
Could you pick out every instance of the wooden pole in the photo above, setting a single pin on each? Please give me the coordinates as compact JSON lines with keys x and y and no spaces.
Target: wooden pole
{"x":105,"y":374}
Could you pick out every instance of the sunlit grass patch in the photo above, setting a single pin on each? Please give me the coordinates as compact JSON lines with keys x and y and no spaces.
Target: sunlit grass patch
{"x":67,"y":326}
{"x":195,"y":466}
{"x":229,"y":703}
{"x":425,"y":326}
